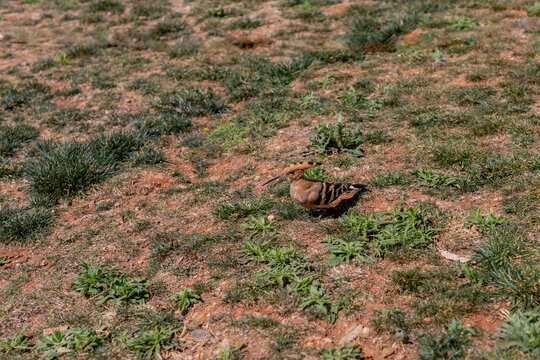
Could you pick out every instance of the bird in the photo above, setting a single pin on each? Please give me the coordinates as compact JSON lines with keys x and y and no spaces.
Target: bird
{"x":313,"y":193}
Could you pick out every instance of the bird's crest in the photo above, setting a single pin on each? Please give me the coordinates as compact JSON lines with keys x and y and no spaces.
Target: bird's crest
{"x":301,"y":166}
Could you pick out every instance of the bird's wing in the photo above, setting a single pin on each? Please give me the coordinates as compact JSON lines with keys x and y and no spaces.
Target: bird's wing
{"x":332,"y":191}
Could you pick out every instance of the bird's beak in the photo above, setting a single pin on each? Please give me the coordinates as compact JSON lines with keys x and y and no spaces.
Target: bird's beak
{"x":274,"y":178}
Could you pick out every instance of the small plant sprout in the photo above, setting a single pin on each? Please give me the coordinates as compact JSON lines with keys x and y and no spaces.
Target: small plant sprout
{"x":185,"y":299}
{"x":73,"y":340}
{"x":319,"y":301}
{"x":484,"y":223}
{"x":230,"y":353}
{"x":259,"y":226}
{"x":450,"y":344}
{"x":110,"y":285}
{"x":347,"y":352}
{"x":15,"y":343}
{"x":335,"y":138}
{"x":150,"y":343}
{"x":521,"y":330}
{"x":436,"y":179}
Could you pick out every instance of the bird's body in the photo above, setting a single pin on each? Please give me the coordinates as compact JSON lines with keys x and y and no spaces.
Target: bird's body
{"x":317,"y":194}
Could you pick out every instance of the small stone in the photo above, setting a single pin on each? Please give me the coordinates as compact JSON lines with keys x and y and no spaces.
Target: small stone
{"x":351,"y":334}
{"x":272,"y":217}
{"x":327,"y":340}
{"x":2,"y":36}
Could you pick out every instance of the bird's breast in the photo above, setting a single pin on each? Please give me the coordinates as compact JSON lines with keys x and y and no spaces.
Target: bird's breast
{"x":305,"y":192}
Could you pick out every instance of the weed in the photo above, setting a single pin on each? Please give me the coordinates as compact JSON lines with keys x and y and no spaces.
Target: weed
{"x":20,"y":224}
{"x":342,"y":250}
{"x":185,"y":299}
{"x":14,"y":97}
{"x":461,"y":23}
{"x":283,"y":72}
{"x":377,"y":137}
{"x":435,"y":179}
{"x":82,"y":51}
{"x":64,"y":342}
{"x":66,"y":169}
{"x":68,"y":92}
{"x":391,"y":178}
{"x":395,"y":321}
{"x":282,"y":339}
{"x":347,"y":352}
{"x":521,"y":205}
{"x":245,"y":23}
{"x":505,"y":261}
{"x":185,"y":46}
{"x":191,"y":102}
{"x":484,"y":223}
{"x":110,"y":285}
{"x":410,"y":281}
{"x":319,"y":301}
{"x":230,"y":353}
{"x":167,"y":28}
{"x":149,"y":344}
{"x":368,"y":34}
{"x":521,"y":330}
{"x":218,"y":12}
{"x":238,"y":209}
{"x":15,"y":343}
{"x":289,"y":210}
{"x":450,"y":344}
{"x":534,"y":9}
{"x":12,"y":137}
{"x":148,"y":156}
{"x":106,"y":6}
{"x":335,"y":138}
{"x":470,"y":95}
{"x":164,"y":123}
{"x":259,"y":226}
{"x":10,"y":169}
{"x":67,"y":116}
{"x":381,"y":232}
{"x":42,"y":65}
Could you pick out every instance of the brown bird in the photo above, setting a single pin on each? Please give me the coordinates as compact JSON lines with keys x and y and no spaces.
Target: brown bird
{"x":316,"y":194}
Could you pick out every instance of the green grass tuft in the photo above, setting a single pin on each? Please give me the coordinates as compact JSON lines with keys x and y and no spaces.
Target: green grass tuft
{"x":110,"y":285}
{"x":12,"y":137}
{"x":450,"y":344}
{"x":20,"y":225}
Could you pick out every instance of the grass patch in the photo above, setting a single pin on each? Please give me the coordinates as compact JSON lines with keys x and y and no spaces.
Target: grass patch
{"x":60,"y":170}
{"x":373,"y":235}
{"x":506,"y":262}
{"x":12,"y":137}
{"x":73,"y":340}
{"x":19,"y":225}
{"x":110,"y":285}
{"x":450,"y":344}
{"x":368,"y":34}
{"x":238,"y":209}
{"x":24,"y":94}
{"x":191,"y":102}
{"x":521,"y":330}
{"x":335,"y":138}
{"x":185,"y":299}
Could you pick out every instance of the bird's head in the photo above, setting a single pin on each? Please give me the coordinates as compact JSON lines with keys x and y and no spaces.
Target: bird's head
{"x":295,"y":171}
